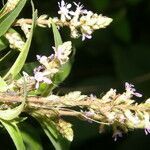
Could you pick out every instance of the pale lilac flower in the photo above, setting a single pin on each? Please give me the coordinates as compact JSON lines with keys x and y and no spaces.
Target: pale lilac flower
{"x":147,"y":130}
{"x":84,"y":36}
{"x":117,"y":134}
{"x":64,"y":10}
{"x":147,"y":123}
{"x":40,"y":76}
{"x":130,"y":90}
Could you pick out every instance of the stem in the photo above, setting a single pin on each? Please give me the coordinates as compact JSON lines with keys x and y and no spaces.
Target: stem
{"x":44,"y":22}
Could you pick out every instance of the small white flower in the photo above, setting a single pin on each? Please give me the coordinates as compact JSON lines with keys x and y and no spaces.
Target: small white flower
{"x":64,"y":10}
{"x":76,"y":14}
{"x":63,"y":51}
{"x":40,"y":76}
{"x":43,"y":60}
{"x":84,"y":36}
{"x":110,"y":95}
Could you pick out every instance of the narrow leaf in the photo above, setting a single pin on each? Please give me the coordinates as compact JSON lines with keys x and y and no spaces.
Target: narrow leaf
{"x":14,"y":133}
{"x":30,"y":137}
{"x":17,"y":66}
{"x":7,"y":20}
{"x":3,"y":85}
{"x":3,"y":43}
{"x":2,"y":11}
{"x":57,"y":37}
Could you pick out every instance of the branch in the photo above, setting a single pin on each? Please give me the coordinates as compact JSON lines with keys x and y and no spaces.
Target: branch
{"x":116,"y":112}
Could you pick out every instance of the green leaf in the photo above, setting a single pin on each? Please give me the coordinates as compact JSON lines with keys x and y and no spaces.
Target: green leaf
{"x":58,"y":141}
{"x":11,"y":114}
{"x":62,"y":74}
{"x":17,"y":66}
{"x":3,"y":85}
{"x":14,"y":133}
{"x":3,"y":43}
{"x":7,"y":20}
{"x":57,"y":37}
{"x":30,"y":137}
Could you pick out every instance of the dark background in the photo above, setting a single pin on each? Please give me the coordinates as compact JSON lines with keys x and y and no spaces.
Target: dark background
{"x":114,"y":55}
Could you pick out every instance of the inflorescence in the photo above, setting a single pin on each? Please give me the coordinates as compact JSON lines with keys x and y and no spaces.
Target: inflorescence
{"x":81,"y":22}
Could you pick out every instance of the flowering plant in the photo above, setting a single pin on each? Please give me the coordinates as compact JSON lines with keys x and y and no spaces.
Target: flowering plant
{"x":32,"y":94}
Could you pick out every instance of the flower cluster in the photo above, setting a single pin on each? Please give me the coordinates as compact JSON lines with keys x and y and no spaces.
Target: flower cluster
{"x":15,"y":40}
{"x":81,"y":21}
{"x":110,"y":110}
{"x":118,"y":110}
{"x":125,"y":113}
{"x":51,"y":65}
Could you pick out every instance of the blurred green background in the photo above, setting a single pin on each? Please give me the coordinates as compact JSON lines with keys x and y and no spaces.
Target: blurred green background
{"x":114,"y":55}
